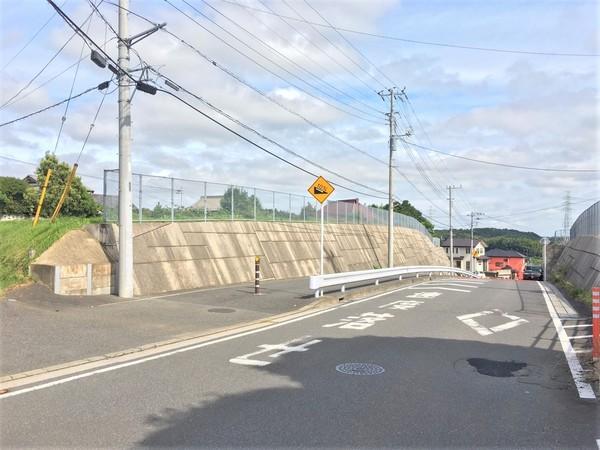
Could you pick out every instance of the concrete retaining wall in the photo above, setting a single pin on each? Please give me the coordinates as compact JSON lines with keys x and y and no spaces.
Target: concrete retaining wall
{"x":580,"y":259}
{"x":190,"y":255}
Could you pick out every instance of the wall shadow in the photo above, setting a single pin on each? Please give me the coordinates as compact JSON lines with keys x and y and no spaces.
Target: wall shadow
{"x":428,"y":397}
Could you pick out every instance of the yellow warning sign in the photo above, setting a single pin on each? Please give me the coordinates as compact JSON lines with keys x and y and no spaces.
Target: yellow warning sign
{"x":321,"y":189}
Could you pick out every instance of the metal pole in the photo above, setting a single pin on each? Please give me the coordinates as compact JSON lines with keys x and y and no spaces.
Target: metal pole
{"x":232,"y":199}
{"x":322,"y":236}
{"x":337,"y":212}
{"x":450,"y":188}
{"x":104,"y":197}
{"x":140,"y":209}
{"x":450,"y":226}
{"x":125,"y":214}
{"x":290,"y":207}
{"x":472,"y":241}
{"x":304,"y":209}
{"x":255,"y":204}
{"x":205,"y":202}
{"x":172,"y":199}
{"x":273,"y":206}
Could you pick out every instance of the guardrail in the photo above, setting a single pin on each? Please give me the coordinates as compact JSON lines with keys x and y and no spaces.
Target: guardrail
{"x":318,"y":282}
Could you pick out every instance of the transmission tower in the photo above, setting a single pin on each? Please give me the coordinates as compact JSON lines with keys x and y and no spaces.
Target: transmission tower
{"x":567,"y":217}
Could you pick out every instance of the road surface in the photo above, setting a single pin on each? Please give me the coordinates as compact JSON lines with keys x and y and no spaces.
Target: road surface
{"x":467,"y":364}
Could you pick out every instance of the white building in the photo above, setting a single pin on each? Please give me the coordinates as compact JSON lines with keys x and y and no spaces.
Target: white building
{"x":461,"y":258}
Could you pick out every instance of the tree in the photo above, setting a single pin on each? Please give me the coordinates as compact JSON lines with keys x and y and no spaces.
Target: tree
{"x":15,"y":197}
{"x":243,"y":204}
{"x":409,"y":210}
{"x":79,"y":202}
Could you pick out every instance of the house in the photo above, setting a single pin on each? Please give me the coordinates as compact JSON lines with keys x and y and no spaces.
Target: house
{"x":503,"y":261}
{"x":31,"y":181}
{"x":462,"y":254}
{"x":211,"y":202}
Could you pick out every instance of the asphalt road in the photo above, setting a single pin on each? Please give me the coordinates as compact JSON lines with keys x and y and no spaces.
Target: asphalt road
{"x":459,"y":364}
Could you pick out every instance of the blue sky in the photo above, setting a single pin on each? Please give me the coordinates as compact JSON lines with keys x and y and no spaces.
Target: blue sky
{"x":513,"y":108}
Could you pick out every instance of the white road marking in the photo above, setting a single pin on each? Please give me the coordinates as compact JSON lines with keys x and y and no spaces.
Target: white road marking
{"x":186,"y":348}
{"x":470,"y":286}
{"x":440,"y":288}
{"x":583,"y":388}
{"x":469,"y":320}
{"x":423,"y":295}
{"x":284,"y":348}
{"x":598,"y":443}
{"x":583,"y":350}
{"x":577,"y":326}
{"x":361,"y":322}
{"x":586,"y":336}
{"x":404,"y":305}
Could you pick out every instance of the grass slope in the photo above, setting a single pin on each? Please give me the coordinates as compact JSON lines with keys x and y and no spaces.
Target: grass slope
{"x":17,"y":237}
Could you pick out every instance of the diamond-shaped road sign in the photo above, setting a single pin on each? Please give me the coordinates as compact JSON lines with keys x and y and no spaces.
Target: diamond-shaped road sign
{"x":321,"y":189}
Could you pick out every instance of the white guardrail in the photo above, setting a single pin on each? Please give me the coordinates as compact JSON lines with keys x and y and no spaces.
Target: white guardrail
{"x":318,"y":282}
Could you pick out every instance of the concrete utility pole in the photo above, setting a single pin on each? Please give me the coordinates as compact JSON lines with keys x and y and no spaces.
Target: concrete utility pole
{"x":473,"y":215}
{"x":450,"y":188}
{"x":544,"y":241}
{"x":393,"y":94}
{"x":125,"y":210}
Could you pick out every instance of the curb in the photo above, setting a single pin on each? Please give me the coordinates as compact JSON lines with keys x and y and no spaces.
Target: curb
{"x":324,"y":302}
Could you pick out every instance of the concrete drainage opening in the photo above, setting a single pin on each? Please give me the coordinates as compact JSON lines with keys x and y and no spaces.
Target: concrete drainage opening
{"x":502,"y":369}
{"x":221,"y":310}
{"x":359,"y":369}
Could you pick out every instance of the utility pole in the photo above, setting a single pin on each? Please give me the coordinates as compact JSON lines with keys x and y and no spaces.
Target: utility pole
{"x":474,"y":215}
{"x":125,"y":210}
{"x":393,"y":94}
{"x":450,"y":188}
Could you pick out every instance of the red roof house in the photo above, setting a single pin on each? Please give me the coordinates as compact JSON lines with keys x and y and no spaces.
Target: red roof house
{"x":502,"y":260}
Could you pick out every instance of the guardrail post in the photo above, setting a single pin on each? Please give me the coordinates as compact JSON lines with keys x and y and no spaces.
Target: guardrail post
{"x":596,"y":323}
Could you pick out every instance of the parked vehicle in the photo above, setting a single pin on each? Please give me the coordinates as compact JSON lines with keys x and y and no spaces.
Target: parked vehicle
{"x":532,"y":273}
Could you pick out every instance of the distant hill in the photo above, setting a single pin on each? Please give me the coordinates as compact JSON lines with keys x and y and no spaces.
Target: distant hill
{"x":525,"y":242}
{"x":484,"y":233}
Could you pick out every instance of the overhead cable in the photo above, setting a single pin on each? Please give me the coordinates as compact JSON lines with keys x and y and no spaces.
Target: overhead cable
{"x":420,"y":42}
{"x":101,"y":86}
{"x":512,"y":166}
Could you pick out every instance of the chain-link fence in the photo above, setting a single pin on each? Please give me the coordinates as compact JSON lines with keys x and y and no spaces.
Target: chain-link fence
{"x":158,"y":199}
{"x":588,"y":222}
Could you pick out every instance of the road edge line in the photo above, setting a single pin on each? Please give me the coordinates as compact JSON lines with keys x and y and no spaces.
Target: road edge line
{"x":584,"y":389}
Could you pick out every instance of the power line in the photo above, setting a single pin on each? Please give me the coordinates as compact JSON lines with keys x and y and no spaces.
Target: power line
{"x":258,"y":90}
{"x":261,"y":135}
{"x":64,"y":116}
{"x":99,"y":87}
{"x":8,"y":158}
{"x":22,"y":49}
{"x":58,"y":52}
{"x":512,"y":166}
{"x":274,"y":50}
{"x":349,"y":42}
{"x":415,"y":41}
{"x":335,"y":46}
{"x":307,"y":54}
{"x":233,"y":47}
{"x":251,"y":142}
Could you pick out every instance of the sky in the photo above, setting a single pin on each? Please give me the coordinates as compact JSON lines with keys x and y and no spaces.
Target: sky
{"x":318,"y":98}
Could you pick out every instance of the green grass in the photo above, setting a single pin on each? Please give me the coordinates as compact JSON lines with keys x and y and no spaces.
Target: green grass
{"x":569,"y":289}
{"x":17,"y":237}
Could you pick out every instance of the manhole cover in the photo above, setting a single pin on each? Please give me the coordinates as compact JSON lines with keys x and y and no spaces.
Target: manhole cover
{"x":221,"y":310}
{"x":359,"y":369}
{"x":491,"y":368}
